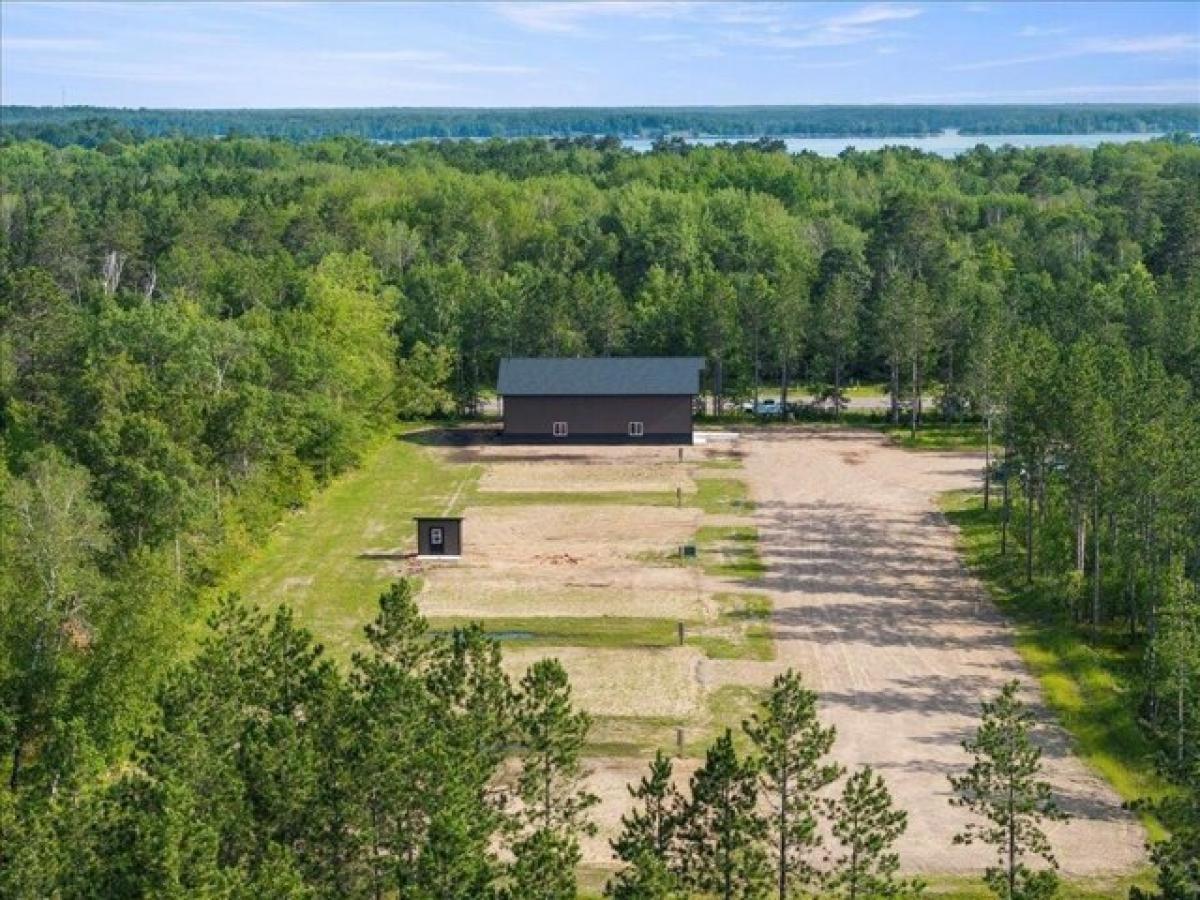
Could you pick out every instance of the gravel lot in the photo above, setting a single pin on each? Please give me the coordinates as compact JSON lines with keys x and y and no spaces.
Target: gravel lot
{"x":874,"y":608}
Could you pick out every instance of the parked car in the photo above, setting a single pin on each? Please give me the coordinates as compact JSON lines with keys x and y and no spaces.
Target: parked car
{"x":768,"y":408}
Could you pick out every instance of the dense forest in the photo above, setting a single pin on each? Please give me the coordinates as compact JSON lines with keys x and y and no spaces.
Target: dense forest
{"x":198,"y":333}
{"x":73,"y":124}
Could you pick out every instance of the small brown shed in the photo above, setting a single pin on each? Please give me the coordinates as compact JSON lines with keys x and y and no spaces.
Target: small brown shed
{"x":439,"y":537}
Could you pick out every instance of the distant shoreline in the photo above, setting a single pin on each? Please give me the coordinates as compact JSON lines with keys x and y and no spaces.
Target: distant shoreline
{"x":696,"y":123}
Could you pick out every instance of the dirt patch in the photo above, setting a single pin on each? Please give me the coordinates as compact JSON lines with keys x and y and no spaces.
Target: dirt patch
{"x":503,"y":538}
{"x":587,"y":475}
{"x":873,"y":607}
{"x":609,"y":682}
{"x":629,"y":593}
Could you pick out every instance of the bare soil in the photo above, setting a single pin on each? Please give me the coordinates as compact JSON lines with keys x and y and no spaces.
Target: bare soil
{"x":874,"y":608}
{"x":871,"y":603}
{"x":570,"y":560}
{"x":613,"y":682}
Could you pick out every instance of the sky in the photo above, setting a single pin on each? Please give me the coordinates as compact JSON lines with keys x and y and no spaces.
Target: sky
{"x":312,"y":54}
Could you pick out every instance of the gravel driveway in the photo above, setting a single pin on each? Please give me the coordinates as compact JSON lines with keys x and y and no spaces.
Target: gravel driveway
{"x":875,"y":610}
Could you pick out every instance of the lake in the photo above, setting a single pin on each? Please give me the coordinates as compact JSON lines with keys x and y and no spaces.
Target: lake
{"x":948,"y":143}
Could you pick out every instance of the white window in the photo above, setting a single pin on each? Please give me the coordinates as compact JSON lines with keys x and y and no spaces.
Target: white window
{"x":560,"y":429}
{"x":637,"y":429}
{"x":436,"y":537}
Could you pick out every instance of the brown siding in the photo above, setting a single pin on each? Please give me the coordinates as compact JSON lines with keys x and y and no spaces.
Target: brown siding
{"x":598,"y":417}
{"x":452,"y":533}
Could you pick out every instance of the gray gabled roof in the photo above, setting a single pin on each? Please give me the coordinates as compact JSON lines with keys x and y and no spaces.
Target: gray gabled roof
{"x":626,"y":375}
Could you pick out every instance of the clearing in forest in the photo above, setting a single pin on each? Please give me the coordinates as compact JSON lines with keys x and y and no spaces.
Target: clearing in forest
{"x":573,"y":552}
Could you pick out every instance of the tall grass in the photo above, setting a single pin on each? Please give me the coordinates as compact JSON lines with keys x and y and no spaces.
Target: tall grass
{"x":1092,"y":688}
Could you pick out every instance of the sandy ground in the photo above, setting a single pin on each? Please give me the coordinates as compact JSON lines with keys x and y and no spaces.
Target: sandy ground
{"x":570,"y":560}
{"x":559,"y":476}
{"x":874,"y":608}
{"x":601,"y":682}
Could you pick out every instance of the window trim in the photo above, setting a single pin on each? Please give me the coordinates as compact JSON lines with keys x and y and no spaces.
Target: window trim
{"x":559,"y":429}
{"x":637,"y":429}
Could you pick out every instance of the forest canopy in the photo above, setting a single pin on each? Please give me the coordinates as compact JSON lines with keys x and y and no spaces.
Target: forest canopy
{"x":72,"y":124}
{"x":196,"y":334}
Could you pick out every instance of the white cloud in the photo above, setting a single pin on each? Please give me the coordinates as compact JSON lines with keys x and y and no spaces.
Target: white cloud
{"x":873,"y":14}
{"x":833,"y":31}
{"x":1037,"y":31}
{"x":568,"y":17}
{"x":428,"y":61}
{"x":1161,"y":45}
{"x":1158,"y":91}
{"x":49,"y":45}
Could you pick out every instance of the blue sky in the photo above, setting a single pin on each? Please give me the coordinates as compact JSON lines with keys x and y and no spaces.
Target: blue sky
{"x":258,"y":54}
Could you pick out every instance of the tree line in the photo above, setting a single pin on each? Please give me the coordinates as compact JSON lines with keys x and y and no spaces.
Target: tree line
{"x":58,"y":123}
{"x":197,"y":334}
{"x":424,"y":771}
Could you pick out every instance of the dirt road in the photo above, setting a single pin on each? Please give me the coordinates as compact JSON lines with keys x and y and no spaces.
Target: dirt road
{"x":875,"y":609}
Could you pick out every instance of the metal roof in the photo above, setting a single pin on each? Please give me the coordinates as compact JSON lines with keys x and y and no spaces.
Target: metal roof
{"x":604,"y":376}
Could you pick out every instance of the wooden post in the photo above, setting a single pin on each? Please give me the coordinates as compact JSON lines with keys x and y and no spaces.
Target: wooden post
{"x":678,"y":497}
{"x":679,"y":741}
{"x":679,"y":626}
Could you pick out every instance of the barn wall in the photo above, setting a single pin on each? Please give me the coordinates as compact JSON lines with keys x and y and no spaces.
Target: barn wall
{"x":599,"y":418}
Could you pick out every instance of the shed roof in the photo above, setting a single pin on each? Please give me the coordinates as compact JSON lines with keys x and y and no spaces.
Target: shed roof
{"x":617,"y":375}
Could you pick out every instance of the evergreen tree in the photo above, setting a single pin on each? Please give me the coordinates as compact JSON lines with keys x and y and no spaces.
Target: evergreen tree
{"x":555,"y":806}
{"x":722,"y":833}
{"x":647,"y":842}
{"x":791,"y":745}
{"x":1003,"y":788}
{"x":866,"y":825}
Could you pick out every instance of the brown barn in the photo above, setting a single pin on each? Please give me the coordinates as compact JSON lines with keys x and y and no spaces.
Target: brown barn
{"x":608,"y":400}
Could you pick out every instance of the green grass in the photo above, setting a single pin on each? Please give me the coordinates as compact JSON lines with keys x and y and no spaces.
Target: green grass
{"x":740,"y":632}
{"x":313,"y":559}
{"x":593,"y":878}
{"x":949,"y":887}
{"x":722,"y":463}
{"x":1092,"y":689}
{"x":730,"y":551}
{"x":721,"y":496}
{"x":567,"y":631}
{"x":940,"y":436}
{"x":745,"y":620}
{"x":744,"y":607}
{"x":878,"y":389}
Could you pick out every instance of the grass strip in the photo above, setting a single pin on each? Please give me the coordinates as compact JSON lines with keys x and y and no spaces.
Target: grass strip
{"x":1116,"y":887}
{"x":730,"y":551}
{"x":721,"y":496}
{"x":1089,"y":688}
{"x":321,"y":560}
{"x":745,"y":620}
{"x":943,"y":436}
{"x":570,"y":631}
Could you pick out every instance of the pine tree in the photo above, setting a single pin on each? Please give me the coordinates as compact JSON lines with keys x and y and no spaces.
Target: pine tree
{"x":1003,"y":787}
{"x":867,"y":826}
{"x":555,"y":805}
{"x":791,"y":745}
{"x":648,"y":837}
{"x":1177,"y":859}
{"x":722,"y":835}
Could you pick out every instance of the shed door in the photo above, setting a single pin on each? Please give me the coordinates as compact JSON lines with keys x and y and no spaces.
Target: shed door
{"x":437,"y":539}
